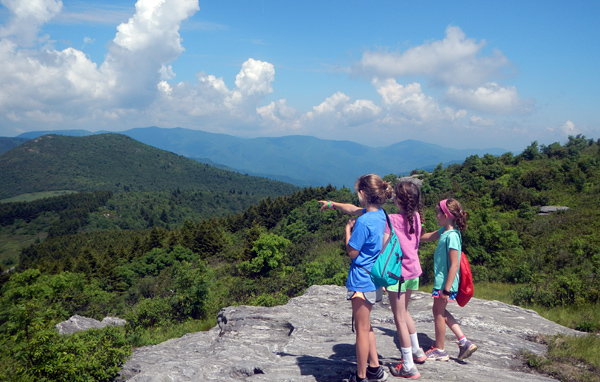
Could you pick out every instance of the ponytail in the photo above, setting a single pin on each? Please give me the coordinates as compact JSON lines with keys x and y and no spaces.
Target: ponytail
{"x":376,"y":190}
{"x":460,"y":215}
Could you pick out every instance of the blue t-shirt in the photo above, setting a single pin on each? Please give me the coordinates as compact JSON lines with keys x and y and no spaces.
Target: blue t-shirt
{"x":441,"y":261}
{"x":367,"y":238}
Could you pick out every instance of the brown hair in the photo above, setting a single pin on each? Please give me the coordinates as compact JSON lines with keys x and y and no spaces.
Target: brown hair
{"x":408,"y":196}
{"x":376,"y":190}
{"x":459,"y":213}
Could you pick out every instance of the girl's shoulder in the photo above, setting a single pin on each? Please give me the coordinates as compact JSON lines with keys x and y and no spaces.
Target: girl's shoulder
{"x":449,"y":233}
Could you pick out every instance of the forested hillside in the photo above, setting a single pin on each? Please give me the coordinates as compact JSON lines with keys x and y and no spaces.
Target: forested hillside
{"x":7,"y":143}
{"x":162,"y":278}
{"x":114,"y":162}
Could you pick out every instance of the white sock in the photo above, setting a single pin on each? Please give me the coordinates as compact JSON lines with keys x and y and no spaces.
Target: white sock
{"x":407,"y":358}
{"x":414,"y":342}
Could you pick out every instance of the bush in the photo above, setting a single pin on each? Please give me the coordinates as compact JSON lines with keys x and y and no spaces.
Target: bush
{"x":45,"y":355}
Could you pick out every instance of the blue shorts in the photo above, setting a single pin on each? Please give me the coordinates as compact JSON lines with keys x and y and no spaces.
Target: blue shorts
{"x":436,"y":294}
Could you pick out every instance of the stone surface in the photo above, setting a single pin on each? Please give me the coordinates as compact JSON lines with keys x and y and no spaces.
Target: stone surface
{"x":547,"y":210}
{"x":310,"y":339}
{"x":78,"y":323}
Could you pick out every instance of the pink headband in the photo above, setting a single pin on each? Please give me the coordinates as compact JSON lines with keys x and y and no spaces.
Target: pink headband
{"x":445,"y":209}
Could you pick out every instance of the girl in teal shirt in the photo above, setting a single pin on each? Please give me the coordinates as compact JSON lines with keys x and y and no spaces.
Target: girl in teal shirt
{"x":446,"y":260}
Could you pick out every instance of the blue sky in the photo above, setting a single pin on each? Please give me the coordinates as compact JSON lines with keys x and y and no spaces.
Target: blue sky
{"x":461,"y":74}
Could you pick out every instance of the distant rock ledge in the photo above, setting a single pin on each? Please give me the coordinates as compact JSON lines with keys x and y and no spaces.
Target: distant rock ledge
{"x":547,"y":210}
{"x":310,"y":339}
{"x":79,"y":323}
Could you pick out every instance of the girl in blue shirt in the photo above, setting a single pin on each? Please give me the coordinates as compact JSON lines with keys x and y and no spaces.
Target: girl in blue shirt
{"x":364,"y":239}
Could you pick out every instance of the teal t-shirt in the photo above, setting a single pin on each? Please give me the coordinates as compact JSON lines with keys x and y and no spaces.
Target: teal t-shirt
{"x":441,"y":262}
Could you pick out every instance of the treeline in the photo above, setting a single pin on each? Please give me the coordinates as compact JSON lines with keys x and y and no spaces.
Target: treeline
{"x":27,"y":211}
{"x":163,"y":275}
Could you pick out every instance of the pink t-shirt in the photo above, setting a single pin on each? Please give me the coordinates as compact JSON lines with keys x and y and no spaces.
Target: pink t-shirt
{"x":409,"y":243}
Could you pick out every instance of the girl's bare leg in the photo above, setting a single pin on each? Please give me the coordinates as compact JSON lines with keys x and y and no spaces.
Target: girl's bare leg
{"x":373,"y":356}
{"x":401,"y":317}
{"x":409,"y":320}
{"x":362,"y":324}
{"x":453,"y":325}
{"x":439,"y":318}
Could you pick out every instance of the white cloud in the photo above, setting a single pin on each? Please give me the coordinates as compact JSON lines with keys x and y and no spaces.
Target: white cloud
{"x":490,"y":98}
{"x":209,"y":102}
{"x":27,"y":17}
{"x":338,"y":109}
{"x":330,"y":106}
{"x":568,"y":128}
{"x":479,"y":121}
{"x":409,"y":103}
{"x":253,"y":82}
{"x":149,"y":40}
{"x":68,"y":83}
{"x":277,"y":111}
{"x":451,"y":61}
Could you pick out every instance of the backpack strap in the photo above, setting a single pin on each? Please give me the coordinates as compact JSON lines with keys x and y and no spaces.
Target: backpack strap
{"x":389,"y":223}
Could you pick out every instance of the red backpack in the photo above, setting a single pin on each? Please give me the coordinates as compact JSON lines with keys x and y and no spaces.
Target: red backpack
{"x":465,"y":281}
{"x":465,"y":278}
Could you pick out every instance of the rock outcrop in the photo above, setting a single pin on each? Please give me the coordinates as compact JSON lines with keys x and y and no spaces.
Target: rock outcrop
{"x":310,"y":339}
{"x":547,"y":210}
{"x":79,"y":323}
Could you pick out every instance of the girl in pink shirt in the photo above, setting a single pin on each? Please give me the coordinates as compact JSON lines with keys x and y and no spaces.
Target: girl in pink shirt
{"x":407,"y":226}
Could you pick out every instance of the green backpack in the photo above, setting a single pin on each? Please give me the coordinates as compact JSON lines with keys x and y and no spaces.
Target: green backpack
{"x":387,"y":269}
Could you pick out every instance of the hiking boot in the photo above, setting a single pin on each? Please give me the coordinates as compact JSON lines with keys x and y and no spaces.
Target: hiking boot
{"x":379,"y":376}
{"x":419,"y":356}
{"x":435,"y":354}
{"x":466,"y":350}
{"x":400,"y":371}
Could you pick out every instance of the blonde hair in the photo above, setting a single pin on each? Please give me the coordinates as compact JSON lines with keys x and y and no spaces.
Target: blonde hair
{"x":376,"y":191}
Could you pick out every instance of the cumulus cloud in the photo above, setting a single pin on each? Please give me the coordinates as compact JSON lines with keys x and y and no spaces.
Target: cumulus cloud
{"x":568,"y":128}
{"x":27,"y":17}
{"x":142,"y":46}
{"x":338,"y":109}
{"x":209,"y":101}
{"x":47,"y":81}
{"x":490,"y":98}
{"x":277,"y":111}
{"x":480,"y":121}
{"x":411,"y":104}
{"x":452,"y":61}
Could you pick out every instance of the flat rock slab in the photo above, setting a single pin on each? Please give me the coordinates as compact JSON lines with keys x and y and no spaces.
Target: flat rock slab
{"x":311,"y":339}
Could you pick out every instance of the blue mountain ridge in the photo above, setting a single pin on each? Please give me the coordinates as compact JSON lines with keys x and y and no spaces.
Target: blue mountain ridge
{"x":300,"y":160}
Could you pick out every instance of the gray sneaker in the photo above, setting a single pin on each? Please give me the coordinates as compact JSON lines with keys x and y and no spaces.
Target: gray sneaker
{"x":419,"y":356}
{"x":400,"y":371}
{"x":379,"y":376}
{"x":466,"y":350}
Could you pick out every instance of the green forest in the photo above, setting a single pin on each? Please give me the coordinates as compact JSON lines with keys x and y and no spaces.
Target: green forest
{"x":168,"y":260}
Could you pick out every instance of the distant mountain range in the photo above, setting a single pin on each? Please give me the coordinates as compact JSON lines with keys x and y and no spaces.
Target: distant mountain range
{"x":115,"y":162}
{"x":299,"y":160}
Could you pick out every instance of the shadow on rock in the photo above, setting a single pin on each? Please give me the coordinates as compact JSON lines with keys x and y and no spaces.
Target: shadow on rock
{"x":336,"y":367}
